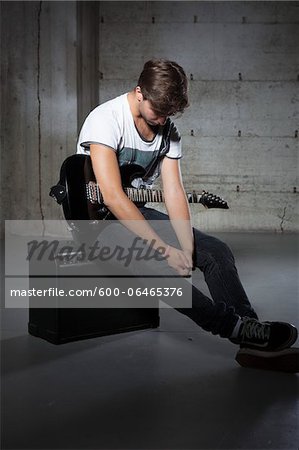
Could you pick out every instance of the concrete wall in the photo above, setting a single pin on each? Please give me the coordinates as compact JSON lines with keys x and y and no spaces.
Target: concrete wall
{"x":49,"y":79}
{"x":39,"y":103}
{"x":239,"y":133}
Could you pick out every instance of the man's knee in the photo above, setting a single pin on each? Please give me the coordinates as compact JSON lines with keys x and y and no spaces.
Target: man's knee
{"x":211,"y":251}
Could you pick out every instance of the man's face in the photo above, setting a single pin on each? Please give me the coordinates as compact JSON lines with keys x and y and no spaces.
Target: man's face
{"x":150,"y":116}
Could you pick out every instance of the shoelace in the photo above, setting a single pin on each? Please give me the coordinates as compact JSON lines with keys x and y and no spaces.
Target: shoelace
{"x":256,"y":330}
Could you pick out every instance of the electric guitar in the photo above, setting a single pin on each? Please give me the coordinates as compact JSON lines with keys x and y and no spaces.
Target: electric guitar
{"x":78,"y":193}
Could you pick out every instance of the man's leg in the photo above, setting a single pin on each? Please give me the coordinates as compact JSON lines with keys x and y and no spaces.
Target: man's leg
{"x":230,"y":314}
{"x":215,"y":259}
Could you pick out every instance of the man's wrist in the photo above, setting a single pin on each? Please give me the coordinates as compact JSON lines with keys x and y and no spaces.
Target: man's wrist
{"x":188,"y":250}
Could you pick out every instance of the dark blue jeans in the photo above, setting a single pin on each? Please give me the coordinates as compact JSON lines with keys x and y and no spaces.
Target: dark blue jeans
{"x":229,"y":300}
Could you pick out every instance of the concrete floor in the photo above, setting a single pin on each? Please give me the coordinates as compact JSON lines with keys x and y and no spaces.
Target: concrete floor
{"x":176,"y":387}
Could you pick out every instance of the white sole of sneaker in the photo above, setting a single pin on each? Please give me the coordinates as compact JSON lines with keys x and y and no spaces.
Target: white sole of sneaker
{"x":283,"y":361}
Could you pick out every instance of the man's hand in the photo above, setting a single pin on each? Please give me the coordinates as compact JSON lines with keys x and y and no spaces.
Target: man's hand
{"x":180,"y":260}
{"x":189,"y":256}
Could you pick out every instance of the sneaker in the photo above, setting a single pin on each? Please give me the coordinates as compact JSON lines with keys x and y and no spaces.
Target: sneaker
{"x":266,"y":336}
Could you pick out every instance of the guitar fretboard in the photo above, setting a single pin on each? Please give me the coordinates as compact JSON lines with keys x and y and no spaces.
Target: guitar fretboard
{"x":94,"y":194}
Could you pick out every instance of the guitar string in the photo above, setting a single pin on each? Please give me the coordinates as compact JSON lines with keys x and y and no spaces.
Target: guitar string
{"x":145,"y":195}
{"x":148,"y":195}
{"x":142,"y":195}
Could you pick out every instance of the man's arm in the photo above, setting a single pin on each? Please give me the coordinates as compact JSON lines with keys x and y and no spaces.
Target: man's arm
{"x":177,"y":205}
{"x":106,"y":169}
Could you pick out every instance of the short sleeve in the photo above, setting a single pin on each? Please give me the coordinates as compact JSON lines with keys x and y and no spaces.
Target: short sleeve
{"x":100,"y":127}
{"x":175,"y":147}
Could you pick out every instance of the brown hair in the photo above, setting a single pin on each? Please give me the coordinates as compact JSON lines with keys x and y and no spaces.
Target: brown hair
{"x":164,"y":84}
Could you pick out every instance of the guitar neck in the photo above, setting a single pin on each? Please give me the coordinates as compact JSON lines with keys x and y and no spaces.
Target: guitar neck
{"x":145,"y":195}
{"x":156,"y":195}
{"x":138,"y":195}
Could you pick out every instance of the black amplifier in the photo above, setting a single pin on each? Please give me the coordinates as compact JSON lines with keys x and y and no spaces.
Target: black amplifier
{"x":58,"y":324}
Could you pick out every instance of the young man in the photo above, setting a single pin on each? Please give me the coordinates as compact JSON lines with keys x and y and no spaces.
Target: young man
{"x":130,"y":129}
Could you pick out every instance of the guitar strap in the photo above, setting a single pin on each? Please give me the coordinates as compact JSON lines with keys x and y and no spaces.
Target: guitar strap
{"x":164,"y":148}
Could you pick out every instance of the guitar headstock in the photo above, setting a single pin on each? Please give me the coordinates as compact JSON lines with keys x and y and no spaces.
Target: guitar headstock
{"x":210,"y":200}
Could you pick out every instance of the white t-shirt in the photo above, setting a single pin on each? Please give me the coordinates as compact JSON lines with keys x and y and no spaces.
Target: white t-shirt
{"x":112,"y":124}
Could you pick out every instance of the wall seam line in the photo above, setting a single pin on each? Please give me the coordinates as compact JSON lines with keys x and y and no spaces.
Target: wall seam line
{"x":39,"y":112}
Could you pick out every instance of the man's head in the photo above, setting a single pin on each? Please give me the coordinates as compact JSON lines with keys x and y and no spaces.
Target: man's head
{"x":163,"y":86}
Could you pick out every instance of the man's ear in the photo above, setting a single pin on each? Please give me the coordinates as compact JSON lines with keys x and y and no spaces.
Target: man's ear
{"x":138,"y":92}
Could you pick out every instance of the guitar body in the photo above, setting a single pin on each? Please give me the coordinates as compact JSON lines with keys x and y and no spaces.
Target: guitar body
{"x":77,"y":173}
{"x":72,"y":172}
